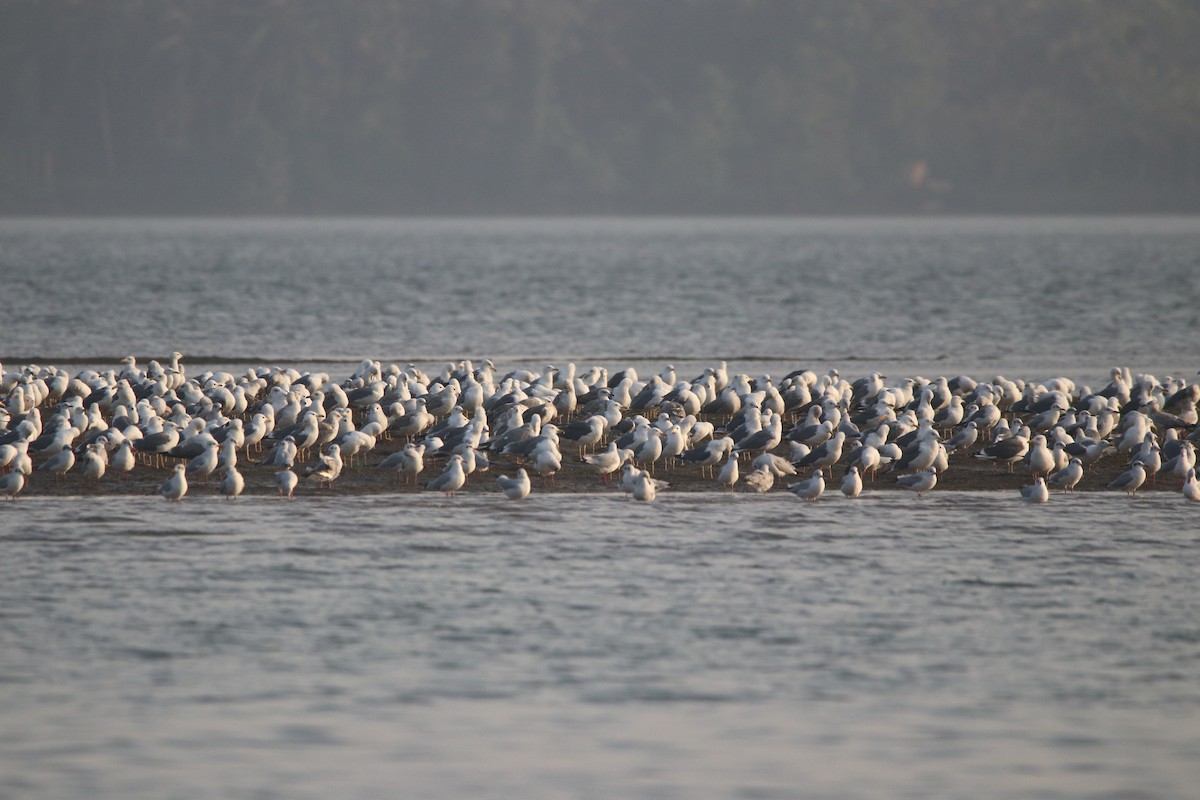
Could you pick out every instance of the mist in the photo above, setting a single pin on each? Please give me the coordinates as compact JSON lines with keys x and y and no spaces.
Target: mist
{"x":522,"y":107}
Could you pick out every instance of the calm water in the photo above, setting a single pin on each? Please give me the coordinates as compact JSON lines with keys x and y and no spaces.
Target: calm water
{"x":1024,"y":295}
{"x":964,"y":645}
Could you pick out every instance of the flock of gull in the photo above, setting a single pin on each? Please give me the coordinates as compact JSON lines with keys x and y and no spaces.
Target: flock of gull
{"x":723,"y":429}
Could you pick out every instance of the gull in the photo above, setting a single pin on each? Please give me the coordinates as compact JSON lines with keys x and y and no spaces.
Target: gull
{"x":765,"y":440}
{"x":254,"y":431}
{"x":1191,"y":487}
{"x":649,"y":451}
{"x":1037,"y":493}
{"x":12,"y":483}
{"x":644,"y":487}
{"x":963,"y":438}
{"x":546,"y":460}
{"x":176,"y":486}
{"x":852,"y":484}
{"x":1059,"y":454}
{"x":1007,"y":451}
{"x":1069,"y":476}
{"x":811,"y":434}
{"x":987,"y":417}
{"x":760,"y":479}
{"x":920,"y":482}
{"x":708,"y":454}
{"x":233,"y":483}
{"x":951,"y":415}
{"x":1183,"y":461}
{"x":673,"y":445}
{"x":809,"y":489}
{"x":59,"y":463}
{"x":193,"y":440}
{"x":359,"y":442}
{"x":630,"y":475}
{"x":825,"y":455}
{"x":1046,"y":420}
{"x":1041,"y":459}
{"x":586,"y":433}
{"x":408,"y":462}
{"x":866,"y":460}
{"x":204,"y":464}
{"x":414,"y":422}
{"x":308,"y":433}
{"x":699,"y":431}
{"x":607,"y":461}
{"x":283,"y":455}
{"x":1089,"y":451}
{"x":920,"y":453}
{"x":366,"y":396}
{"x":1136,"y":433}
{"x":9,"y":452}
{"x":729,"y":473}
{"x":451,"y":479}
{"x":726,"y":404}
{"x":473,"y":461}
{"x":285,"y":482}
{"x":515,"y":488}
{"x":1130,"y":480}
{"x":328,"y":467}
{"x":93,"y":463}
{"x":228,"y":454}
{"x":778,"y":465}
{"x":1151,"y":458}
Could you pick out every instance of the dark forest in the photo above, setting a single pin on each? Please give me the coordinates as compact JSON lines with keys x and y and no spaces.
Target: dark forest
{"x":599,"y":107}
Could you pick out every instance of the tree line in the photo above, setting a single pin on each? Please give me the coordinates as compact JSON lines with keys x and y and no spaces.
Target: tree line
{"x":599,"y":106}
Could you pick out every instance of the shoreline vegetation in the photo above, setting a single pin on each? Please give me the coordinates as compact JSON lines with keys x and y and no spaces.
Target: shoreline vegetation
{"x":489,"y":422}
{"x":546,"y":107}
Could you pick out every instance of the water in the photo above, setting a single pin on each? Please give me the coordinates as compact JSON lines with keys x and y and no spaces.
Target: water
{"x":1031,"y":297}
{"x":962,"y":645}
{"x":959,"y":646}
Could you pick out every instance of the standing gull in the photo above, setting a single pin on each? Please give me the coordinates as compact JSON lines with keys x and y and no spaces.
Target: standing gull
{"x":328,"y":467}
{"x":93,"y":463}
{"x":852,"y":483}
{"x":1007,"y":451}
{"x":285,"y":482}
{"x":729,"y":473}
{"x":810,"y":489}
{"x":608,"y":461}
{"x":451,"y":479}
{"x":1130,"y":480}
{"x":920,"y":482}
{"x":233,"y":483}
{"x":176,"y":486}
{"x":1040,"y":457}
{"x":1191,"y":487}
{"x":59,"y":463}
{"x":12,"y":483}
{"x":1069,"y":476}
